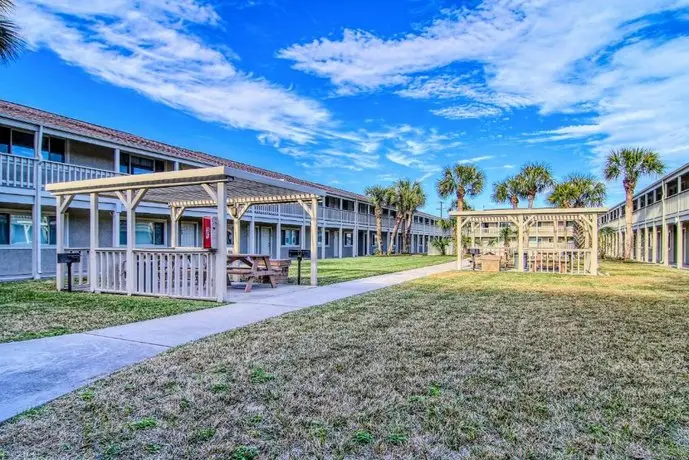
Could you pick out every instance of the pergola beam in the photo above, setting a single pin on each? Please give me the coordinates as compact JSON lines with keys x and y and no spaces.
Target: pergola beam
{"x":248,"y":200}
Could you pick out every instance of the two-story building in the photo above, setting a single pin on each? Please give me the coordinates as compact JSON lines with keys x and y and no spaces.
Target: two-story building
{"x":659,"y":215}
{"x":39,"y":148}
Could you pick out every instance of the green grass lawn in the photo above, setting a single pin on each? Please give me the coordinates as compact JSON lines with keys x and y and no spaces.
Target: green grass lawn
{"x":33,"y":309}
{"x":350,"y":268}
{"x":459,"y":365}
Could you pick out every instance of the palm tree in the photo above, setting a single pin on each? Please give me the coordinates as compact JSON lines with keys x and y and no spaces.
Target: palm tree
{"x":631,"y":163}
{"x":416,"y":198}
{"x":508,"y":191}
{"x":461,"y":181}
{"x":378,"y":196}
{"x":397,"y":197}
{"x":10,"y":41}
{"x":535,"y":178}
{"x":578,"y":191}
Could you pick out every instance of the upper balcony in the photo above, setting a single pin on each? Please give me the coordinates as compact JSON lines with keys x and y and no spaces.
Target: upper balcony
{"x":22,"y":172}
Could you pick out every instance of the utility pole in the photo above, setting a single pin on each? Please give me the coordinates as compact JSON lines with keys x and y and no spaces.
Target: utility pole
{"x":441,"y":209}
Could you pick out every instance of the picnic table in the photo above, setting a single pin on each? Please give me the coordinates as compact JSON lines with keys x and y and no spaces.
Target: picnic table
{"x":252,"y":267}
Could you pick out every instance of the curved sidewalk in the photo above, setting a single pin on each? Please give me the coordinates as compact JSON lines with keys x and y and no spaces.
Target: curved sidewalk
{"x":34,"y":372}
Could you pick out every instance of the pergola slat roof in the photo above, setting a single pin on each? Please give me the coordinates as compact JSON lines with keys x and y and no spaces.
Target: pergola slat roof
{"x":188,"y":188}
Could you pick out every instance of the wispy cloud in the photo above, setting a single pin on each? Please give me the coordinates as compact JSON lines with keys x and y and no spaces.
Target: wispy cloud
{"x":459,"y":112}
{"x":465,"y":161}
{"x":150,"y":47}
{"x":605,"y":61}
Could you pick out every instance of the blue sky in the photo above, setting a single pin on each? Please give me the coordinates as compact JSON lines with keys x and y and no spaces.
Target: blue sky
{"x":354,"y":93}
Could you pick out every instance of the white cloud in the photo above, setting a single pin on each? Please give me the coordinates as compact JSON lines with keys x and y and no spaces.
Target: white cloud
{"x":459,"y":112}
{"x":149,"y":48}
{"x":628,"y":83}
{"x":474,"y":159}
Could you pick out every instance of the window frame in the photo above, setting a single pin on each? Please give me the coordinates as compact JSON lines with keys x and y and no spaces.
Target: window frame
{"x":154,"y":222}
{"x":294,"y":240}
{"x":48,"y":221}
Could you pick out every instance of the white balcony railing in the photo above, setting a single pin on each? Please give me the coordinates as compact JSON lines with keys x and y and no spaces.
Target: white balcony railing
{"x":53,"y":172}
{"x":16,"y":171}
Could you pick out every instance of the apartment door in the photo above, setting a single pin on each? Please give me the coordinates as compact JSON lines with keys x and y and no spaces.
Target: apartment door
{"x":188,"y":235}
{"x":264,"y":238}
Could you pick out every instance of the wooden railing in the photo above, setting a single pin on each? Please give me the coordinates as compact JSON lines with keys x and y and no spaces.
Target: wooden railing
{"x":564,"y":261}
{"x":53,"y":172}
{"x":175,"y":273}
{"x":111,"y":270}
{"x":16,"y":171}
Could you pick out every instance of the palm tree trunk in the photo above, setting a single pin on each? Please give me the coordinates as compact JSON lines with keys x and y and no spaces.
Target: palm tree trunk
{"x":410,"y":218}
{"x":379,"y":231}
{"x":515,"y":202}
{"x":393,"y":236}
{"x":628,"y":211}
{"x":460,"y":202}
{"x":404,"y":235}
{"x":531,"y":200}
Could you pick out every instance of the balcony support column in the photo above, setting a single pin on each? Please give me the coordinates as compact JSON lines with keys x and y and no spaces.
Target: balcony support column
{"x":314,"y":242}
{"x":252,"y":232}
{"x":637,"y":245}
{"x":679,"y":250}
{"x":654,"y":244}
{"x":62,"y":203}
{"x":36,"y":262}
{"x":664,"y":238}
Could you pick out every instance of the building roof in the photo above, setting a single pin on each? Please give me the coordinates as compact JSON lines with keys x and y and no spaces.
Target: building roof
{"x":71,"y":125}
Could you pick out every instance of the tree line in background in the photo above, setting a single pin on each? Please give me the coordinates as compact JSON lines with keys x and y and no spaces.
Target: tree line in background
{"x":460,"y":182}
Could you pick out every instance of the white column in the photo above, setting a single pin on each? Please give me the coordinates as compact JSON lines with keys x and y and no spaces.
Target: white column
{"x":664,"y":240}
{"x":59,"y":241}
{"x":278,"y":239}
{"x":314,"y":242}
{"x":221,"y":253}
{"x":654,"y":244}
{"x":637,"y":245}
{"x":302,"y":236}
{"x":236,"y":235}
{"x":175,"y":165}
{"x":679,"y":249}
{"x":340,"y":243}
{"x":131,"y":240}
{"x":93,"y":240}
{"x":116,"y":160}
{"x":36,"y":263}
{"x":355,"y":235}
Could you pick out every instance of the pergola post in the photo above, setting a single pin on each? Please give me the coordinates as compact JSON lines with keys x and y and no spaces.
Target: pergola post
{"x":460,"y":249}
{"x":520,"y":243}
{"x":175,"y":215}
{"x":221,"y":253}
{"x":131,"y":237}
{"x":62,"y":203}
{"x":236,"y":231}
{"x":93,"y":240}
{"x":314,"y":242}
{"x":594,"y":245}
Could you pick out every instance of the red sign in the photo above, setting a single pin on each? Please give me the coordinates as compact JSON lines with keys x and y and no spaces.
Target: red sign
{"x":209,"y":227}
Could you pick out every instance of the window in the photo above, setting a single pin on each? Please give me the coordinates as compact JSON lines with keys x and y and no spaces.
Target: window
{"x":5,"y":140}
{"x":230,"y":237}
{"x":659,"y":193}
{"x":132,"y":164}
{"x":642,"y":201}
{"x":327,"y":238}
{"x":649,"y":198}
{"x":147,"y":233}
{"x":53,"y":149}
{"x":290,"y":237}
{"x":684,"y":182}
{"x":17,"y":229}
{"x":348,"y":239}
{"x":672,"y":188}
{"x":22,"y":144}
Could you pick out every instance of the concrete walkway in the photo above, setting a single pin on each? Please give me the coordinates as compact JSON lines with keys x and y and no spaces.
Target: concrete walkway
{"x":34,"y":372}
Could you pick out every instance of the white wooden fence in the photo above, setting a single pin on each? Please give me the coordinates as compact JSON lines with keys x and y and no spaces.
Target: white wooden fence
{"x":564,"y":261}
{"x":111,"y":270}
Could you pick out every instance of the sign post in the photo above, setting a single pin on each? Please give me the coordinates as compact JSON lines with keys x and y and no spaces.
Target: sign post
{"x":299,"y":254}
{"x":69,"y":258}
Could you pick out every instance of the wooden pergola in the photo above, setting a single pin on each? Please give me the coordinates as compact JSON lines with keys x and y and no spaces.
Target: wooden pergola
{"x":176,"y":272}
{"x":523,"y":219}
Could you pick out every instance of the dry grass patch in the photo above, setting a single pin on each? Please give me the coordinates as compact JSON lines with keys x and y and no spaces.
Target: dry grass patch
{"x":34,"y":309}
{"x":454,"y":366}
{"x":350,"y":268}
